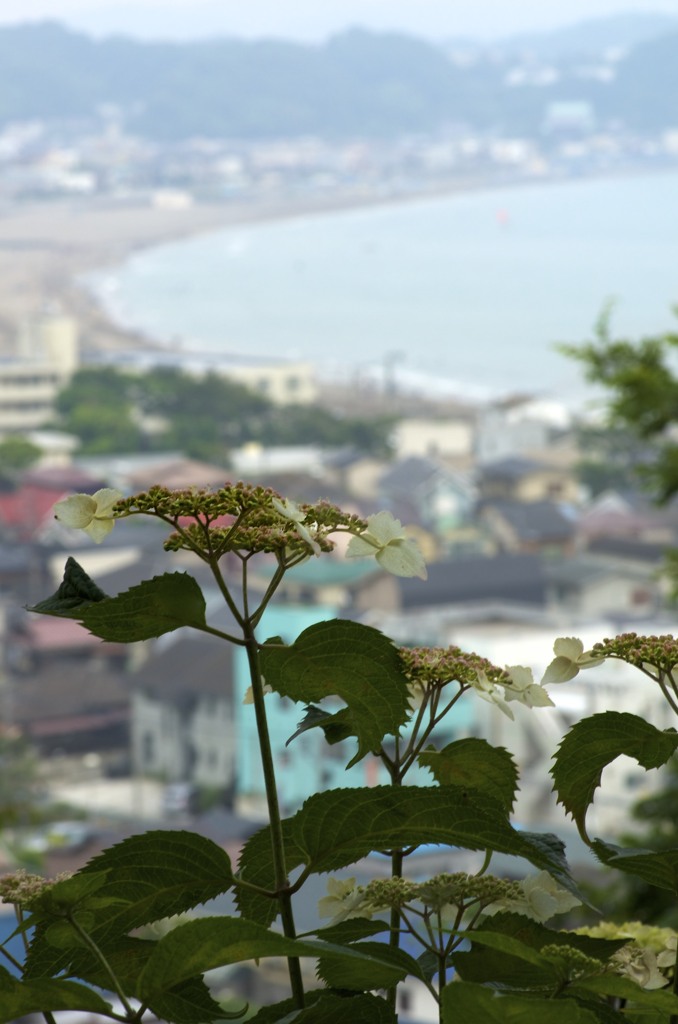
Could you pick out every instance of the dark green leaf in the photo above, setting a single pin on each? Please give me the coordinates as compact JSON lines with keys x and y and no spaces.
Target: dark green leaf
{"x":344,"y":659}
{"x":466,"y":1003}
{"x":353,"y":930}
{"x":534,"y":934}
{"x":624,"y":988}
{"x":18,"y":998}
{"x":328,"y":1008}
{"x":150,"y":609}
{"x":75,"y":593}
{"x":150,"y":876}
{"x":660,"y":869}
{"x":341,"y":826}
{"x":333,"y":726}
{"x":190,"y":1003}
{"x":595,"y":742}
{"x":389,"y":967}
{"x":208,"y":942}
{"x":475,"y":764}
{"x":504,"y":960}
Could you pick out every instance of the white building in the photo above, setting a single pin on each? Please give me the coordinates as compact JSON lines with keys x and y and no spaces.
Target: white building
{"x":47,"y":357}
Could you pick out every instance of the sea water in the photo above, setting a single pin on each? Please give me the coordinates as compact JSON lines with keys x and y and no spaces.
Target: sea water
{"x":470,"y":293}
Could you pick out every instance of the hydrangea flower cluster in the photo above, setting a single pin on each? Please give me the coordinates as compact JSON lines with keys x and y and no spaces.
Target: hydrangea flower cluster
{"x":22,"y":888}
{"x":247,"y":519}
{"x":648,"y":958}
{"x":430,"y":668}
{"x":538,"y":897}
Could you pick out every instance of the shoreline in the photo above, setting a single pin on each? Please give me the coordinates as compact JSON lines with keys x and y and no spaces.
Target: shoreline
{"x":46,"y":248}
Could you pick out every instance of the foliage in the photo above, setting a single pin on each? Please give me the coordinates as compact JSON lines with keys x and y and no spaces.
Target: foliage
{"x":122,"y":925}
{"x":166,"y":409}
{"x":16,"y":453}
{"x":642,"y":399}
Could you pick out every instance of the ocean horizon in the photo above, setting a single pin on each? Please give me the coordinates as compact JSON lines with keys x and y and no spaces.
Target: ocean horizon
{"x":466,"y":294}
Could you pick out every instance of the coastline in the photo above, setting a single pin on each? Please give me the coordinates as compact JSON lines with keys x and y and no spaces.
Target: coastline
{"x":46,"y":247}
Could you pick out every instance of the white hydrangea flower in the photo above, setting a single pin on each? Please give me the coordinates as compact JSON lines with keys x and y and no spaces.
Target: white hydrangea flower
{"x":667,"y":957}
{"x":386,"y":540}
{"x":344,"y":900}
{"x":570,"y":657}
{"x":640,"y":965}
{"x":524,"y":689}
{"x":489,"y":691}
{"x":291,"y":511}
{"x":92,"y":513}
{"x":541,"y":899}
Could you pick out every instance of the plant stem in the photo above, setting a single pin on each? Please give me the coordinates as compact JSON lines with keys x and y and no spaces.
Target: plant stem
{"x":92,"y":946}
{"x":277,"y":843}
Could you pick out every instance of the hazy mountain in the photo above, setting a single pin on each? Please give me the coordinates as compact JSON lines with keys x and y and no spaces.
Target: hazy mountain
{"x":593,"y":37}
{"x":359,"y":83}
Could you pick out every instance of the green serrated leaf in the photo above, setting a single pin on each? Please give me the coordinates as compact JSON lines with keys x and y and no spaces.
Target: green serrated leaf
{"x":339,"y":827}
{"x":150,"y":876}
{"x":190,"y":1003}
{"x":353,"y":930}
{"x":624,"y":988}
{"x":475,"y":764}
{"x":466,"y":1003}
{"x":19,"y":998}
{"x":76,"y":592}
{"x":659,"y":869}
{"x":389,"y":967}
{"x":333,"y":726}
{"x":328,"y":1008}
{"x":534,"y":934}
{"x":504,"y":960}
{"x":209,"y":942}
{"x":344,"y":659}
{"x":595,"y":742}
{"x":152,"y":608}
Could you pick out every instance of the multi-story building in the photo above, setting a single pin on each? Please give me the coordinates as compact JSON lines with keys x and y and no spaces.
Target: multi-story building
{"x":46,"y":358}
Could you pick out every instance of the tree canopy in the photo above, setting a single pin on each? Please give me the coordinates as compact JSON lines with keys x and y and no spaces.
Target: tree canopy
{"x":202,"y":416}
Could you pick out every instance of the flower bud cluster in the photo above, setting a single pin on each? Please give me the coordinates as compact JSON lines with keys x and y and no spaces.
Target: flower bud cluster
{"x":658,"y":652}
{"x":575,"y":963}
{"x":460,"y":888}
{"x":428,"y":667}
{"x":23,"y":889}
{"x":389,"y":893}
{"x":258,"y":520}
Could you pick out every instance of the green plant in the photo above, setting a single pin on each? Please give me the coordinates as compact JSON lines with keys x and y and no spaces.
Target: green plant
{"x":89,"y":934}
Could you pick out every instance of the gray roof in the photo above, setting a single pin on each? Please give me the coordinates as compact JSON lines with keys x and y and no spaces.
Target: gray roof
{"x":534,"y":520}
{"x":515,"y":578}
{"x":512,"y":468}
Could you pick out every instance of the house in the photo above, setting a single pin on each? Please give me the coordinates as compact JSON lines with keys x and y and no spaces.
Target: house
{"x":448,"y":438}
{"x":66,"y":690}
{"x":528,"y":526}
{"x":423,"y":492}
{"x":182,"y":722}
{"x":498,"y":588}
{"x":628,"y":515}
{"x":519,"y":478}
{"x":518,"y":425}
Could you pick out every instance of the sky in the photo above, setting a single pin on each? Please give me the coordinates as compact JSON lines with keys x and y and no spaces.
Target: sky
{"x":315,"y":20}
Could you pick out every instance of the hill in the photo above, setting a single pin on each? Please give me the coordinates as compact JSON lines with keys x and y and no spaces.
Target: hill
{"x":358,"y":83}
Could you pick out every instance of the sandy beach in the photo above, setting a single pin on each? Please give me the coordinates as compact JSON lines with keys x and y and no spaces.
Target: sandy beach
{"x":45,"y":247}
